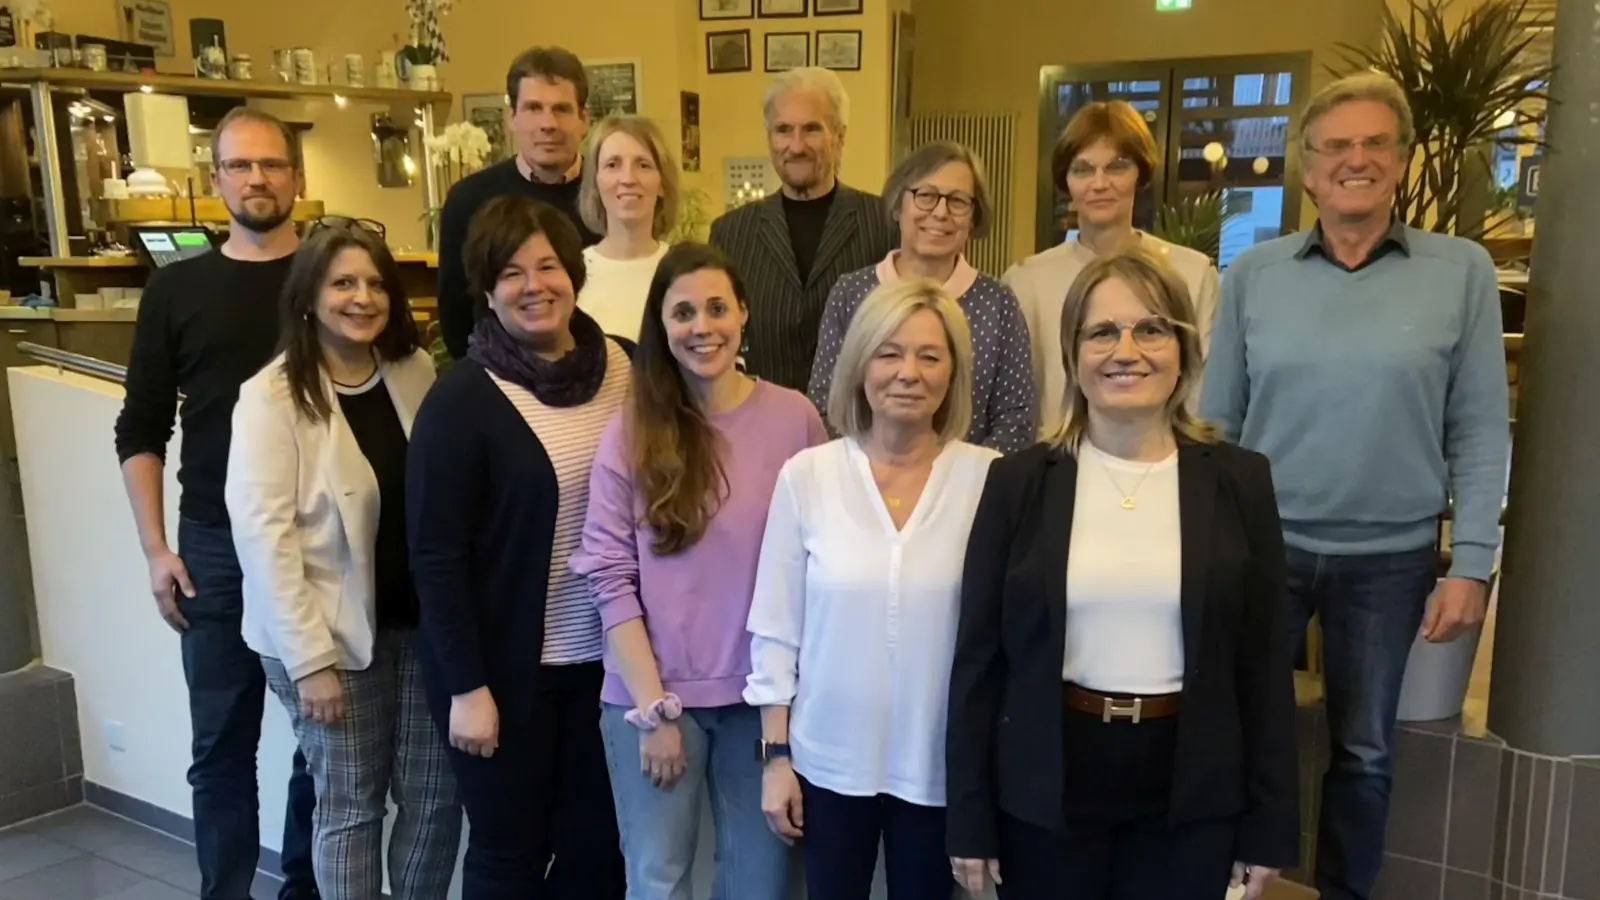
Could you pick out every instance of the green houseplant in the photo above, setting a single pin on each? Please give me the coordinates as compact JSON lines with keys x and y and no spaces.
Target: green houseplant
{"x":1472,"y":84}
{"x":1197,"y":221}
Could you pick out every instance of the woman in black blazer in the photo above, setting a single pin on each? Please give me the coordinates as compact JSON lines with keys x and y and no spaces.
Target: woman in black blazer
{"x":496,"y":487}
{"x":1121,"y":709}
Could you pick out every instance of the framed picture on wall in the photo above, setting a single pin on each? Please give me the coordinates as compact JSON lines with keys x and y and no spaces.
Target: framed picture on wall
{"x":788,"y":50}
{"x":727,"y":9}
{"x":728,"y":51}
{"x":488,"y":111}
{"x":613,"y":87}
{"x":836,"y":7}
{"x":783,"y":9}
{"x":839,"y":50}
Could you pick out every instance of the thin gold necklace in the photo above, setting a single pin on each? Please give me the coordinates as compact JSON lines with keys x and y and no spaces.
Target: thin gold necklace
{"x":1127,"y":496}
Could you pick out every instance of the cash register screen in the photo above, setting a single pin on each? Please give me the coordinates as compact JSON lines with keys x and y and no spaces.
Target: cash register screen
{"x":164,"y":246}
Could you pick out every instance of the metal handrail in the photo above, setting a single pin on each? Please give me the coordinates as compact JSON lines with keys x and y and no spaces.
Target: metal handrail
{"x":74,"y":362}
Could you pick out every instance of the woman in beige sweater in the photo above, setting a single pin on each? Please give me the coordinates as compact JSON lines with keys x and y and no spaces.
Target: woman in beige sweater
{"x":1103,"y":159}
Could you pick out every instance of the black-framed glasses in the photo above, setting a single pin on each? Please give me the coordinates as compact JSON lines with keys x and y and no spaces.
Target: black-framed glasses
{"x":927,"y":199}
{"x":272,"y":167}
{"x":1149,"y":333}
{"x":371,"y":225}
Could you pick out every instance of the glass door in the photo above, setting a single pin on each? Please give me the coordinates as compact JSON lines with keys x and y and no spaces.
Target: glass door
{"x":1220,"y":124}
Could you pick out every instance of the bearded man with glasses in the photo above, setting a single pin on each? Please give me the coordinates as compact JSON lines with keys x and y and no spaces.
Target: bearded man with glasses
{"x":207,"y":324}
{"x":1365,"y":360}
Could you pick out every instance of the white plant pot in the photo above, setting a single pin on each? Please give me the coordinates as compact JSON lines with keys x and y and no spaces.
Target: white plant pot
{"x":1437,"y":676}
{"x":422,"y":78}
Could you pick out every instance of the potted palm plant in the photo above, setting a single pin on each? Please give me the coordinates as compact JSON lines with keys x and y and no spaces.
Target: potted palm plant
{"x":1473,"y":84}
{"x":1197,"y":221}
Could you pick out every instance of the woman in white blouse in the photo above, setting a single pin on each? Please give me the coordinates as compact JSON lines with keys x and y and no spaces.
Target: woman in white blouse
{"x":630,"y":195}
{"x":1104,"y":158}
{"x":858,"y":588}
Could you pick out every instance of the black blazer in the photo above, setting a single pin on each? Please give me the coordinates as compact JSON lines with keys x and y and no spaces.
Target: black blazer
{"x":481,"y":504}
{"x":1236,"y":744}
{"x":786,"y":313}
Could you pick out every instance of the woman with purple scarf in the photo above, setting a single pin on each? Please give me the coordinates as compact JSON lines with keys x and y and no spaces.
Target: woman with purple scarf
{"x":497,"y":484}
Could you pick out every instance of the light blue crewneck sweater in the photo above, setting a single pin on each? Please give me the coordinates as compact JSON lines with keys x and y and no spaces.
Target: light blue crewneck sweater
{"x":1378,"y":395}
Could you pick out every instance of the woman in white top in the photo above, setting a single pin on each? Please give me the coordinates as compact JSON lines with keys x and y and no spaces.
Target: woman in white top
{"x":630,"y":195}
{"x":854,"y":618}
{"x":1102,"y":160}
{"x":1122,"y":704}
{"x":316,"y":496}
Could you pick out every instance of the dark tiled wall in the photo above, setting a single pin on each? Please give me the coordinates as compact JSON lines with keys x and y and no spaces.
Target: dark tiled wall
{"x":41,"y":754}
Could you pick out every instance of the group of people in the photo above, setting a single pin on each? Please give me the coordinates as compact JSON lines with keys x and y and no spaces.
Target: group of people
{"x":814,"y":521}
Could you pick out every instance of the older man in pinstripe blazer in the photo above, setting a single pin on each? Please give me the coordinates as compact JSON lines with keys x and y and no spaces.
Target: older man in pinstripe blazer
{"x":791,"y":247}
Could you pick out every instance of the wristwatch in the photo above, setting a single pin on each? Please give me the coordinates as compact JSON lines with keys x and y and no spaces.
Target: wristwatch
{"x":767,"y":751}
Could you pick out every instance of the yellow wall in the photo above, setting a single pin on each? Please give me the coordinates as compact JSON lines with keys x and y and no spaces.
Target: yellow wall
{"x":985,"y":57}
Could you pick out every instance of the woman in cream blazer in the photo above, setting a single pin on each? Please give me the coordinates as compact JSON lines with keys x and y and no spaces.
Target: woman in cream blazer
{"x":316,"y":496}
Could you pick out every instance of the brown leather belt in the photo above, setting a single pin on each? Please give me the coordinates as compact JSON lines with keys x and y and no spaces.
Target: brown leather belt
{"x":1134,"y":709}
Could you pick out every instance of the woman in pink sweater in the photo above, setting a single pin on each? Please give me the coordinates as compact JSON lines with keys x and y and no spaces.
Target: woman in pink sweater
{"x":678,"y":503}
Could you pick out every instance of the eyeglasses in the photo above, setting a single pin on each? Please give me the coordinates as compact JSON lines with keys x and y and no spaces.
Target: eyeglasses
{"x":1121,"y":167}
{"x":927,"y":199}
{"x":272,"y":168}
{"x":1340,"y":148}
{"x":371,"y":225}
{"x":1149,"y":333}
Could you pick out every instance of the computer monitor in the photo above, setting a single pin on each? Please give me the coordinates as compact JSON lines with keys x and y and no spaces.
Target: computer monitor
{"x":163,"y":245}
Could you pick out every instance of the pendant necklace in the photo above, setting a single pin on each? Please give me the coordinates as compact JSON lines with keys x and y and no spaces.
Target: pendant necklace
{"x":1127,"y":496}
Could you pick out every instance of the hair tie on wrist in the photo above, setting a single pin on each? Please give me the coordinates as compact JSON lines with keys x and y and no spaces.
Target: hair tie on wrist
{"x":667,"y":709}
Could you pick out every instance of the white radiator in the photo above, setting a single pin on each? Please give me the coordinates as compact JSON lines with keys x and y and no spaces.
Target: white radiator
{"x":993,"y":139}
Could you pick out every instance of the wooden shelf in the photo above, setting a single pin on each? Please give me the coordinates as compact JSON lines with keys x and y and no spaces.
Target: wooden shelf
{"x":80,"y":262}
{"x":137,"y":210}
{"x":184,"y":84}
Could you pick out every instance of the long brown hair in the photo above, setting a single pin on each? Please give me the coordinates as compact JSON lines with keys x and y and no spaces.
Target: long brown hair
{"x":674,"y":446}
{"x":302,"y":333}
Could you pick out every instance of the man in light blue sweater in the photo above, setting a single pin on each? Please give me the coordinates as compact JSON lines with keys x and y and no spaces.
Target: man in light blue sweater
{"x":1365,"y":360}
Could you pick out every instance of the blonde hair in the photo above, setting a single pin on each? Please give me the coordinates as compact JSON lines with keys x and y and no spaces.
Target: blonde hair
{"x":1370,"y":85}
{"x":1162,"y":291}
{"x":880,"y":315}
{"x":641,"y":129}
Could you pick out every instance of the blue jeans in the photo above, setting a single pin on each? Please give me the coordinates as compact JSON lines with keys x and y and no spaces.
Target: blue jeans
{"x":1371,"y":608}
{"x":227,"y":695}
{"x":660,"y":827}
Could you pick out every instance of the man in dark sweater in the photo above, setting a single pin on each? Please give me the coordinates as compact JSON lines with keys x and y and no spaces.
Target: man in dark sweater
{"x":549,"y":93}
{"x":792,"y":247}
{"x":205,"y":326}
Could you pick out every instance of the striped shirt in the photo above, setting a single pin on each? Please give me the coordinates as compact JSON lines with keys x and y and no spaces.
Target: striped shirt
{"x":570,"y":436}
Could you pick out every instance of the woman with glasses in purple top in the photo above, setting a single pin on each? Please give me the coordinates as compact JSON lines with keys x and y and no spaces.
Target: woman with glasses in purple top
{"x":678,"y":502}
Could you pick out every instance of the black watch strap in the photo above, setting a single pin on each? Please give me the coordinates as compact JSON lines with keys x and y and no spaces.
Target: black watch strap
{"x":767,"y":751}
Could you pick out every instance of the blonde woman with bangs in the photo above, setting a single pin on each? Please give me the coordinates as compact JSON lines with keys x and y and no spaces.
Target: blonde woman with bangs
{"x":853,"y":622}
{"x":1121,"y":701}
{"x":630,"y":196}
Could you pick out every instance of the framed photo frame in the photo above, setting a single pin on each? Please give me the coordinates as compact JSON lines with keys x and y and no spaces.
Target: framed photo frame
{"x":488,"y":111}
{"x":782,"y":9}
{"x":787,"y":50}
{"x":728,"y":51}
{"x":836,"y":7}
{"x":713,"y":10}
{"x":613,"y":87}
{"x":839,"y":50}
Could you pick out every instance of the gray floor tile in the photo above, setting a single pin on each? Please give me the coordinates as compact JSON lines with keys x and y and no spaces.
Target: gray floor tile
{"x":22,"y":853}
{"x":187,"y":880}
{"x":151,"y":854}
{"x":265,"y":887}
{"x":150,"y":890}
{"x":81,"y":878}
{"x":87,"y":828}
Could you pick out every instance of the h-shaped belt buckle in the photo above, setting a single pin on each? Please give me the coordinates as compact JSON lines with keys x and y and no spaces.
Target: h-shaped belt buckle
{"x":1132,"y":710}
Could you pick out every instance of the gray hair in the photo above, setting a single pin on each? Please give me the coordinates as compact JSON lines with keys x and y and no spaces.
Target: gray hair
{"x":822,"y":82}
{"x":877,"y":319}
{"x":1369,"y":85}
{"x":930,"y":158}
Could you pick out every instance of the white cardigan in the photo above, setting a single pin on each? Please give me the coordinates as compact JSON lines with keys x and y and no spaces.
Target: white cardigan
{"x":303,"y":501}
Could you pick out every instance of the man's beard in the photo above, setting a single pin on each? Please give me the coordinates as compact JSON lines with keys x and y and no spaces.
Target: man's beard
{"x":260,"y":224}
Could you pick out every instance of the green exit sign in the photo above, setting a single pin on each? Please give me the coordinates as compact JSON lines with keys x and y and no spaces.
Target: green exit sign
{"x":1173,"y":5}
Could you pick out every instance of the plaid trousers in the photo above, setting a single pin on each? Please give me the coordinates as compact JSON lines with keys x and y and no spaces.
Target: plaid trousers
{"x":386,"y":745}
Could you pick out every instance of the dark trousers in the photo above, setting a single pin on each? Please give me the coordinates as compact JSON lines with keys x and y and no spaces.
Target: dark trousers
{"x":1119,"y":845}
{"x":227,"y":694}
{"x":541,"y":823}
{"x":1371,"y":608}
{"x":841,"y":846}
